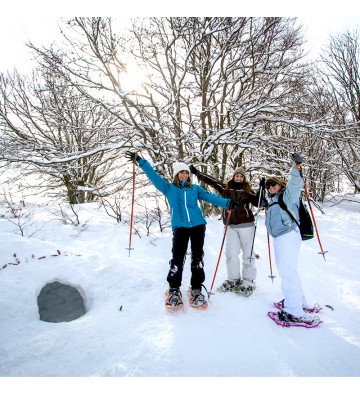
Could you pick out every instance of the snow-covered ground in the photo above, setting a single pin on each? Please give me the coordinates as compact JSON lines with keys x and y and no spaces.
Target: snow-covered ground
{"x":232,"y":338}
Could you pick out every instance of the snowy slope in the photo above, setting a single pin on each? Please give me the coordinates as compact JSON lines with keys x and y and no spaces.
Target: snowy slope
{"x":233,"y":338}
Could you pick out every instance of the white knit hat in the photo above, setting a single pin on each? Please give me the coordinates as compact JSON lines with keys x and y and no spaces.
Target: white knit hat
{"x":179,"y":166}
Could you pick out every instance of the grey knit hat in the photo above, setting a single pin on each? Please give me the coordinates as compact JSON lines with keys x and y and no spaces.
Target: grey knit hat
{"x":240,"y":170}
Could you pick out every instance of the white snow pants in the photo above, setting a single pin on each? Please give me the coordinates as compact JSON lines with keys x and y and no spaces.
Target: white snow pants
{"x":286,"y":251}
{"x":240,"y":239}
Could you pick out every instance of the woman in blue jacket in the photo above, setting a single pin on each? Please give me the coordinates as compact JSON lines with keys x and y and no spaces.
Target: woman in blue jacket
{"x":188,"y":223}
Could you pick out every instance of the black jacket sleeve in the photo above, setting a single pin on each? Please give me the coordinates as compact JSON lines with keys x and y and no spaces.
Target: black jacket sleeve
{"x":213,"y":182}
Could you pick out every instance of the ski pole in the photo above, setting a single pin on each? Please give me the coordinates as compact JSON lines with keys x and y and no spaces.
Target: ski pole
{"x":257,"y":217}
{"x":221,"y":248}
{"x":322,"y":252}
{"x":132,"y":209}
{"x":269,"y":252}
{"x":271,"y":273}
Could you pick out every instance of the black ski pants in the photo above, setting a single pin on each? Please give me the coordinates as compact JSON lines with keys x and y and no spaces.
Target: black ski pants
{"x":181,"y":237}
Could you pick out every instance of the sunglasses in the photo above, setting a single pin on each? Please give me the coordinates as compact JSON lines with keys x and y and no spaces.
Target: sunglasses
{"x":270,"y":184}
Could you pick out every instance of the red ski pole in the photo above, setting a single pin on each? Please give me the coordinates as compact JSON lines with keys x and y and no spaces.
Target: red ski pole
{"x":221,"y":248}
{"x":132,"y":209}
{"x":322,"y":252}
{"x":269,"y":252}
{"x":271,"y":273}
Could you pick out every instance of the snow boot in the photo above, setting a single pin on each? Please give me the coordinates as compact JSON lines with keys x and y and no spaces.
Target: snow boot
{"x":230,"y":286}
{"x":246,"y":289}
{"x":289,"y":318}
{"x":197,"y":299}
{"x":308,"y":309}
{"x":173,"y":298}
{"x":285,"y":319}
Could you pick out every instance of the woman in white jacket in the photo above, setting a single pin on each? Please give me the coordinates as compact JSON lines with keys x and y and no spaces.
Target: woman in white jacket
{"x":286,"y":240}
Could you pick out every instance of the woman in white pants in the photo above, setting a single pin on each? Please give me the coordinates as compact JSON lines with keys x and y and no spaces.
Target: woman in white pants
{"x":286,"y":251}
{"x":287,"y":240}
{"x":239,"y":238}
{"x":240,"y":232}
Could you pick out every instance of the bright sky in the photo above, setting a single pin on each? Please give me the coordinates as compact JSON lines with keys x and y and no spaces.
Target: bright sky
{"x":20,"y":30}
{"x":25,"y":22}
{"x":318,"y":29}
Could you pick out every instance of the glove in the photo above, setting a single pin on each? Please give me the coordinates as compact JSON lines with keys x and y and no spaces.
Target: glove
{"x":264,"y":203}
{"x":132,"y":156}
{"x":262,"y":184}
{"x":232,"y":204}
{"x":297,"y":158}
{"x":193,"y":170}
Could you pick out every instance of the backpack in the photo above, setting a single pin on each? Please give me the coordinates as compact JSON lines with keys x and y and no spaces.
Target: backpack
{"x":306,"y":226}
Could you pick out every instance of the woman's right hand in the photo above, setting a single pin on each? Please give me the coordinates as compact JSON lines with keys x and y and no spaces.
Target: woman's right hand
{"x":132,"y":156}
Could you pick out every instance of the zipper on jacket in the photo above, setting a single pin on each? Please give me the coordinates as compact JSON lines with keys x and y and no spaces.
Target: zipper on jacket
{"x":187,"y":211}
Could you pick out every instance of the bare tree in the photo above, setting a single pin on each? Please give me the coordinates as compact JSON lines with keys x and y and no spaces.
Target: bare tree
{"x":20,"y":215}
{"x":220,"y":92}
{"x":341,"y":80}
{"x":212,"y":83}
{"x":56,"y":132}
{"x":219,"y":81}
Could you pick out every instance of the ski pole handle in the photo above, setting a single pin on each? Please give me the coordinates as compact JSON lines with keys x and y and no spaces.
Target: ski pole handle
{"x":300,"y":169}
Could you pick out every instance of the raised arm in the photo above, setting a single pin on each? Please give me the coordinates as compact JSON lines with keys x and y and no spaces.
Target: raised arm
{"x":153,"y":176}
{"x":213,"y":182}
{"x":294,"y":184}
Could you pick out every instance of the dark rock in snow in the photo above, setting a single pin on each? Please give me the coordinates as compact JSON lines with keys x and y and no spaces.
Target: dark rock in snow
{"x":58,"y":302}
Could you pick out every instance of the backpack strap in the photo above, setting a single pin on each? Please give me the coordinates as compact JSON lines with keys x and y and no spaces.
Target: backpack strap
{"x":283,"y":205}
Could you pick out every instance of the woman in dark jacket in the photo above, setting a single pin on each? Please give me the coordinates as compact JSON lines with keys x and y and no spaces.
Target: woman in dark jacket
{"x":240,"y":232}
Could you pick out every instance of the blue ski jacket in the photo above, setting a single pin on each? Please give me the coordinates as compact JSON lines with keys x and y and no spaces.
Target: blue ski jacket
{"x":183,"y":201}
{"x":277,"y":220}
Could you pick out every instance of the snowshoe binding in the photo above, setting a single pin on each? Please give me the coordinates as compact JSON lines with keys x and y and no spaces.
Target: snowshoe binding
{"x":230,"y":286}
{"x":196,"y":299}
{"x":285,"y":319}
{"x":173,"y":299}
{"x":245,"y":290}
{"x":309,"y":309}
